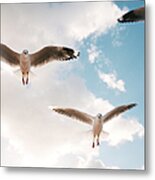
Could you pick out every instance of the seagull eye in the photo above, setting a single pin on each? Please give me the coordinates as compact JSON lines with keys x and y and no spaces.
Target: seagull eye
{"x":25,"y":52}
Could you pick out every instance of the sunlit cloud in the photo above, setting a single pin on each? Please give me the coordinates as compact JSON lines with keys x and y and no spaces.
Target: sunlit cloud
{"x":110,"y":79}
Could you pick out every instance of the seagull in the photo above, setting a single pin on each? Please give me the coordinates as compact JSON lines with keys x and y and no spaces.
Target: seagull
{"x":133,"y":16}
{"x":97,"y":121}
{"x":25,"y":60}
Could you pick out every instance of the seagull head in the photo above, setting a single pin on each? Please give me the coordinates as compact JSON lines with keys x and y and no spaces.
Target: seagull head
{"x":76,"y":53}
{"x":99,"y":115}
{"x":25,"y":51}
{"x":121,"y":19}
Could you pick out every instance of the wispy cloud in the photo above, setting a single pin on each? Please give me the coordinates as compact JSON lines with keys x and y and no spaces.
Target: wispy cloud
{"x":110,"y":79}
{"x":93,"y":53}
{"x":116,"y":34}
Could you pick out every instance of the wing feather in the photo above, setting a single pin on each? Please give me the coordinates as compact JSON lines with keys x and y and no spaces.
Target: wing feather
{"x":9,"y":56}
{"x":51,"y":53}
{"x":72,"y":113}
{"x":133,"y":16}
{"x":116,"y":111}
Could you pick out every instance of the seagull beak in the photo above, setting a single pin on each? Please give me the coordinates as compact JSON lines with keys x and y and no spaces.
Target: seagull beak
{"x":76,"y":54}
{"x":120,"y":19}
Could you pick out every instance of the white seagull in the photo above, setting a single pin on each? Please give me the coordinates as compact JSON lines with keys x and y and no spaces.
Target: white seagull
{"x":26,"y":60}
{"x":133,"y":16}
{"x":96,"y":121}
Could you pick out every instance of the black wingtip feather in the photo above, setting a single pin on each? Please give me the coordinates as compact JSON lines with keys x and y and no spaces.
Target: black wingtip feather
{"x":78,"y":54}
{"x":132,"y":105}
{"x":128,"y":17}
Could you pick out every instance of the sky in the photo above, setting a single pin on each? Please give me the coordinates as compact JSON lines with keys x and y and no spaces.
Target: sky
{"x":108,"y":73}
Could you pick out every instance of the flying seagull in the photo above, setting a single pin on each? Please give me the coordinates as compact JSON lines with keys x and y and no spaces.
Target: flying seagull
{"x":97,"y":121}
{"x":133,"y":16}
{"x":43,"y":56}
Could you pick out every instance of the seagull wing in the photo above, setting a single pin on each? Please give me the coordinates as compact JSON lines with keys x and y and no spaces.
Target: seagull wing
{"x":116,"y":111}
{"x":9,"y":56}
{"x":51,"y":53}
{"x":72,"y":113}
{"x":133,"y":16}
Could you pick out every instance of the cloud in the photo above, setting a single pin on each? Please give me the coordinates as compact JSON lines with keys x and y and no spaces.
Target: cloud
{"x":76,"y":22}
{"x":122,"y":130}
{"x":94,"y":162}
{"x":116,"y":34}
{"x":44,"y":138}
{"x":111,"y":81}
{"x":93,"y":53}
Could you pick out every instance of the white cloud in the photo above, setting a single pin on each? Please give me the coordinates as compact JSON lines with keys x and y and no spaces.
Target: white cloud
{"x":93,"y":53}
{"x":94,"y":162}
{"x":122,"y":130}
{"x":111,"y":80}
{"x":44,"y":138}
{"x":76,"y":22}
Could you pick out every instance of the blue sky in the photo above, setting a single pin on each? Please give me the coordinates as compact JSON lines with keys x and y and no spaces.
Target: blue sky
{"x":106,"y":48}
{"x":128,"y":61}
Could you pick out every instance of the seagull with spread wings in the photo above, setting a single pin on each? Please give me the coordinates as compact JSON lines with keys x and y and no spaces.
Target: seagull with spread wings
{"x":133,"y":16}
{"x":97,"y":121}
{"x":43,"y":56}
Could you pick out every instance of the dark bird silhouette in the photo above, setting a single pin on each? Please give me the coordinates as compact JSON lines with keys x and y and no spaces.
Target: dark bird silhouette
{"x":133,"y":16}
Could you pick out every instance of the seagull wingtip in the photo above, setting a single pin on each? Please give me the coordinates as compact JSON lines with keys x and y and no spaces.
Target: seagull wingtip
{"x":78,"y":53}
{"x":53,"y":108}
{"x":120,"y":20}
{"x":134,"y":104}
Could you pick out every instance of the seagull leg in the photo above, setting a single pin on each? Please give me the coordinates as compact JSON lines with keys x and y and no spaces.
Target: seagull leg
{"x":98,"y":143}
{"x":27,"y":78}
{"x":93,"y":145}
{"x":23,"y":81}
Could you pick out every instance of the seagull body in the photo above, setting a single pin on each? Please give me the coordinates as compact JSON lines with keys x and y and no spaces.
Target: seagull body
{"x":26,"y":60}
{"x":97,"y":121}
{"x":133,"y":16}
{"x":97,"y":128}
{"x":25,"y":65}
